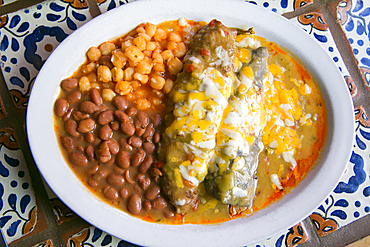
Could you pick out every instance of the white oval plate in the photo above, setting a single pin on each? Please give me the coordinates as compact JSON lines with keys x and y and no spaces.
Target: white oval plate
{"x":293,"y":208}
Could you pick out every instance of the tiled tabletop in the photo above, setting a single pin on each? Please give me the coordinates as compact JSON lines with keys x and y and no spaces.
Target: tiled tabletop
{"x":31,"y":215}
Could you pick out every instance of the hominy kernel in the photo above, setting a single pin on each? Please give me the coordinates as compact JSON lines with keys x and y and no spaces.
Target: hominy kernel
{"x":150,"y":29}
{"x":168,"y":86}
{"x":144,"y":67}
{"x":135,"y":84}
{"x":126,"y":44}
{"x":118,"y":58}
{"x":104,"y":73}
{"x":134,"y":54}
{"x":171,"y":45}
{"x":128,"y":73}
{"x":129,"y":96}
{"x":174,"y":37}
{"x":145,"y":36}
{"x":174,"y":66}
{"x":157,"y":57}
{"x":158,"y":67}
{"x":142,"y":104}
{"x":93,"y":54}
{"x":151,"y":46}
{"x":140,"y":30}
{"x":123,"y":87}
{"x":95,"y":85}
{"x":147,"y":54}
{"x":140,"y":43}
{"x":84,"y":84}
{"x":117,"y":74}
{"x":108,"y":94}
{"x":180,"y":50}
{"x":156,"y":101}
{"x":142,"y":78}
{"x":92,"y":77}
{"x":160,"y":34}
{"x":88,"y":68}
{"x":157,"y":82}
{"x":167,"y":54}
{"x":106,"y":48}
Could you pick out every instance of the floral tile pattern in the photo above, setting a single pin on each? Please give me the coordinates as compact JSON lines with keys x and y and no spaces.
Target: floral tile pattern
{"x":350,"y":199}
{"x":27,"y":38}
{"x":18,"y":211}
{"x":354,"y":17}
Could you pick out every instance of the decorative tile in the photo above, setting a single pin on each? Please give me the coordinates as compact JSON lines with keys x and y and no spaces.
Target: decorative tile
{"x":294,"y":236}
{"x":27,"y":38}
{"x":61,"y":212}
{"x":2,"y":110}
{"x":354,"y":18}
{"x":18,"y":211}
{"x":350,"y":200}
{"x":47,"y":243}
{"x":314,"y":24}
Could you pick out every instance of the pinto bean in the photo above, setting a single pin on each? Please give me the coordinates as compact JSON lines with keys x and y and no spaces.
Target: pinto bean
{"x":121,"y":116}
{"x":145,"y":165}
{"x":115,"y":180}
{"x":120,"y":102}
{"x":90,"y":153}
{"x":77,"y":159}
{"x":92,"y":182}
{"x":71,"y":127}
{"x":157,"y":137}
{"x":124,"y":145}
{"x":91,"y":170}
{"x":142,"y":119}
{"x":123,"y":193}
{"x":89,"y":137}
{"x":60,"y":107}
{"x":139,"y":131}
{"x":127,"y":128}
{"x":149,"y":132}
{"x":134,"y":141}
{"x":86,"y":125}
{"x":159,"y":203}
{"x":87,"y":107}
{"x":105,"y":117}
{"x":73,"y":97}
{"x":68,"y":143}
{"x":146,"y":205}
{"x":144,"y":181}
{"x":95,"y":96}
{"x":114,"y":125}
{"x":69,"y":84}
{"x":134,"y":204}
{"x":105,"y":132}
{"x":131,"y":111}
{"x":77,"y":115}
{"x":149,"y":147}
{"x":110,"y":193}
{"x":103,"y":153}
{"x":138,"y":158}
{"x":123,"y":159}
{"x":113,"y":146}
{"x":152,"y":192}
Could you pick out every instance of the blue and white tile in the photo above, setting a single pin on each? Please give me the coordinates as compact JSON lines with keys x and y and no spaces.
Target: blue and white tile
{"x":18,"y":210}
{"x":27,"y":38}
{"x":354,"y":17}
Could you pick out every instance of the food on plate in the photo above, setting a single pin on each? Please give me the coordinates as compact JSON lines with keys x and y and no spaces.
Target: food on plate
{"x":232,"y":173}
{"x":194,"y":112}
{"x":190,"y":122}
